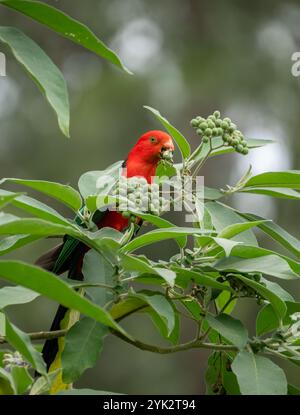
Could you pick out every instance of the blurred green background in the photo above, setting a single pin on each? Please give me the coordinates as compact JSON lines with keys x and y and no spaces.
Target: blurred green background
{"x":189,"y":58}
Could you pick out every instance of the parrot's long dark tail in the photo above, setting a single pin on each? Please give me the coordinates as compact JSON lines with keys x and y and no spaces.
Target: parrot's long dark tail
{"x":48,"y":261}
{"x":50,"y":348}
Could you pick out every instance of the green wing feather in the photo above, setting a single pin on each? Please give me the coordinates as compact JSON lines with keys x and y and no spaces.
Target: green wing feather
{"x":70,"y":243}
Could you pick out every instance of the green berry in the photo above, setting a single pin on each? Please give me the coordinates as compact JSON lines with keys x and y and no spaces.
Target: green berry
{"x":205,"y":139}
{"x":208,"y":132}
{"x":194,"y":123}
{"x":199,"y":131}
{"x":132,"y":219}
{"x":215,"y":132}
{"x":131,"y":204}
{"x":224,"y":125}
{"x":228,"y":120}
{"x":245,"y":151}
{"x":217,"y":114}
{"x":218,"y":122}
{"x":235,"y":141}
{"x":203,"y":125}
{"x":199,"y":119}
{"x":239,"y":148}
{"x":211,"y":124}
{"x":226,"y":137}
{"x":220,"y":131}
{"x":122,"y":191}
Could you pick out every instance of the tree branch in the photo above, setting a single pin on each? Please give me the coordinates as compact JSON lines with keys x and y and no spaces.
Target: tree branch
{"x":194,"y":344}
{"x":41,"y":335}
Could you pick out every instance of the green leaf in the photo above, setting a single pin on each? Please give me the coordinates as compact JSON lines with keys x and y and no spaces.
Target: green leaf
{"x":64,"y":193}
{"x":277,"y":289}
{"x":267,"y":321}
{"x":48,"y":284}
{"x":232,"y":230}
{"x":172,"y":336}
{"x":13,"y":242}
{"x":292,"y":390}
{"x":43,"y":383}
{"x":230,"y":328}
{"x":135,"y":303}
{"x":35,"y":227}
{"x":2,"y":324}
{"x":125,"y":308}
{"x":185,"y":276}
{"x":285,"y":179}
{"x":212,"y":194}
{"x":258,"y":375}
{"x":35,"y":207}
{"x":278,"y":234}
{"x":281,"y":193}
{"x":181,"y":141}
{"x":83,"y":344}
{"x":245,"y":251}
{"x":230,"y":382}
{"x":96,"y":270}
{"x":193,"y":307}
{"x":66,"y":26}
{"x":161,"y":223}
{"x":99,"y":182}
{"x":223,"y":216}
{"x":160,"y":305}
{"x":42,"y":70}
{"x":226,"y":244}
{"x":219,"y":380}
{"x":133,"y":263}
{"x":7,"y":198}
{"x":159,"y":235}
{"x":16,"y":295}
{"x":223,"y":299}
{"x":268,"y":264}
{"x":21,"y":342}
{"x":21,"y":379}
{"x":7,"y":386}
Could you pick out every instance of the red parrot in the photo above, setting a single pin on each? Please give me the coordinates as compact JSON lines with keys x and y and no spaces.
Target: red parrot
{"x":142,"y":161}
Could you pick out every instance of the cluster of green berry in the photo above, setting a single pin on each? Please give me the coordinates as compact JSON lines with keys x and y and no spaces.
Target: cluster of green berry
{"x":215,"y":126}
{"x":137,"y":194}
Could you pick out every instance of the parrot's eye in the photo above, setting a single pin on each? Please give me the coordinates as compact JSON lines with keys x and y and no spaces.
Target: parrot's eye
{"x":152,"y":139}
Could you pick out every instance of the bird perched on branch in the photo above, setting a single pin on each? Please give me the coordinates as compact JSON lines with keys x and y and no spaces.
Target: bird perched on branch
{"x":142,"y":161}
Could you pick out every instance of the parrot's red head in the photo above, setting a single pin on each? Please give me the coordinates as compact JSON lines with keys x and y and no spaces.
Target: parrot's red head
{"x":150,"y":148}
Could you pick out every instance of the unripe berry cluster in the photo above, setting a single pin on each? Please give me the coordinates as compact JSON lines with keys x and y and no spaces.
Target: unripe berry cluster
{"x":136,"y":193}
{"x":215,"y":126}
